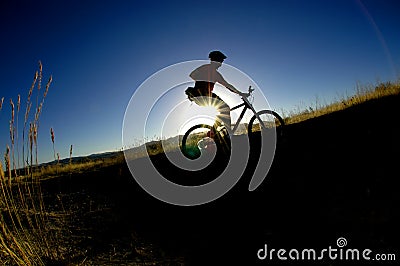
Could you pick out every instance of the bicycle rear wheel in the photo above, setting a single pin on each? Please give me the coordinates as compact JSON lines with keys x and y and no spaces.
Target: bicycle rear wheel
{"x":199,"y":138}
{"x":189,"y":143}
{"x":270,"y":120}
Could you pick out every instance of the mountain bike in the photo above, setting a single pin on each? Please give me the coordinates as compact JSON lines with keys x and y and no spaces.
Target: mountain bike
{"x":203,"y":136}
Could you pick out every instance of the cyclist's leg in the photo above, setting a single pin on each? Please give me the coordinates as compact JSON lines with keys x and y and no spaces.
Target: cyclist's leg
{"x":206,"y":100}
{"x":224,"y":116}
{"x":224,"y":111}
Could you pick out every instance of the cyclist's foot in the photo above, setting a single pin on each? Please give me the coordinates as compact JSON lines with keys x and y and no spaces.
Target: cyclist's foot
{"x":211,"y":133}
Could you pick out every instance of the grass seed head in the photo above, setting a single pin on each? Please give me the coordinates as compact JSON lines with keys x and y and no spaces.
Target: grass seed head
{"x":47,"y":86}
{"x":52,"y":134}
{"x":32,"y":86}
{"x":12,"y":133}
{"x":31,"y":134}
{"x":12,"y":110}
{"x":35,"y":134}
{"x":19,"y":102}
{"x":2,"y":176}
{"x":40,"y":66}
{"x":40,"y":76}
{"x":28,"y":110}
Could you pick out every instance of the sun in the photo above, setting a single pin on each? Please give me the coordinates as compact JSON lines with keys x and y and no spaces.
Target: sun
{"x":197,"y":115}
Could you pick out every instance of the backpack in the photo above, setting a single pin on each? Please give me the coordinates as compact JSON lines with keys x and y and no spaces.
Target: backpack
{"x":192,"y":93}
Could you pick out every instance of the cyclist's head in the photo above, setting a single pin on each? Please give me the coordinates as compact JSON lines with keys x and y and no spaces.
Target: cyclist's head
{"x":217,"y":56}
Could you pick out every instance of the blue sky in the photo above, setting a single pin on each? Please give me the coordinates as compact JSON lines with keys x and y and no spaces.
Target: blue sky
{"x":99,"y":52}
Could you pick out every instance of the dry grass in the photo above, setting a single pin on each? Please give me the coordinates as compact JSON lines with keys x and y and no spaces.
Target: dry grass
{"x":58,"y":169}
{"x":26,"y":236}
{"x":362,"y":94}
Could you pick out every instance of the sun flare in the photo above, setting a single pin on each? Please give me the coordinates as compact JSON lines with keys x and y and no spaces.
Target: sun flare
{"x":198,"y":115}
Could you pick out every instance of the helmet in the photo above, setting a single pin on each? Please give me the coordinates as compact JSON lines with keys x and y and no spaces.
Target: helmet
{"x":216,"y":56}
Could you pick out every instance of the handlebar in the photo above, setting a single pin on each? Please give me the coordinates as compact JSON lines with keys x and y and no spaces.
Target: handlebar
{"x":245,"y":95}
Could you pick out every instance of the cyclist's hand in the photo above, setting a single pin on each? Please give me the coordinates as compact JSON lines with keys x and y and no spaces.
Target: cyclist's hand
{"x":244,"y":94}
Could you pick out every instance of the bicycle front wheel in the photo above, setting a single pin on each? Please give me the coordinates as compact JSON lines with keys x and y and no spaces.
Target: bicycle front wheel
{"x":268,"y":120}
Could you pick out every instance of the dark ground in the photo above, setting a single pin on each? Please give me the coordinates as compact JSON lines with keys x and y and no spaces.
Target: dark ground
{"x":332,"y":176}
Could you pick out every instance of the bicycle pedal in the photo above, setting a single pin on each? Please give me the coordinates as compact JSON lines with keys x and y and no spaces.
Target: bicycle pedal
{"x":211,"y":134}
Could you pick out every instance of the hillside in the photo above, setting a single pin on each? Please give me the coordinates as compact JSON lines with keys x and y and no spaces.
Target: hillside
{"x":333,"y":176}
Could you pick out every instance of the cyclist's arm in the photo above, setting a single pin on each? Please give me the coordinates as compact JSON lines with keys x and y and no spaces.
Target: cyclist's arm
{"x":230,"y":87}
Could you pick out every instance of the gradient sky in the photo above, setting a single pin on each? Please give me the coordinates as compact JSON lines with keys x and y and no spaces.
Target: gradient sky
{"x":99,"y":52}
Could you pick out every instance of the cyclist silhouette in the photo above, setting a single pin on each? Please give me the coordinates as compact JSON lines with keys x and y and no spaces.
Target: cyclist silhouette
{"x":205,"y":78}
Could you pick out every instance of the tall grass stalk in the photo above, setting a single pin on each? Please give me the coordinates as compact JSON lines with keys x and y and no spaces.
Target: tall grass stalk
{"x":70,"y":154}
{"x":25,"y":235}
{"x":17,"y":132}
{"x":52,"y":140}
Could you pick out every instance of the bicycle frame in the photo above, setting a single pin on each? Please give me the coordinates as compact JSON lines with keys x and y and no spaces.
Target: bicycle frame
{"x":222,"y":131}
{"x":247,"y":105}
